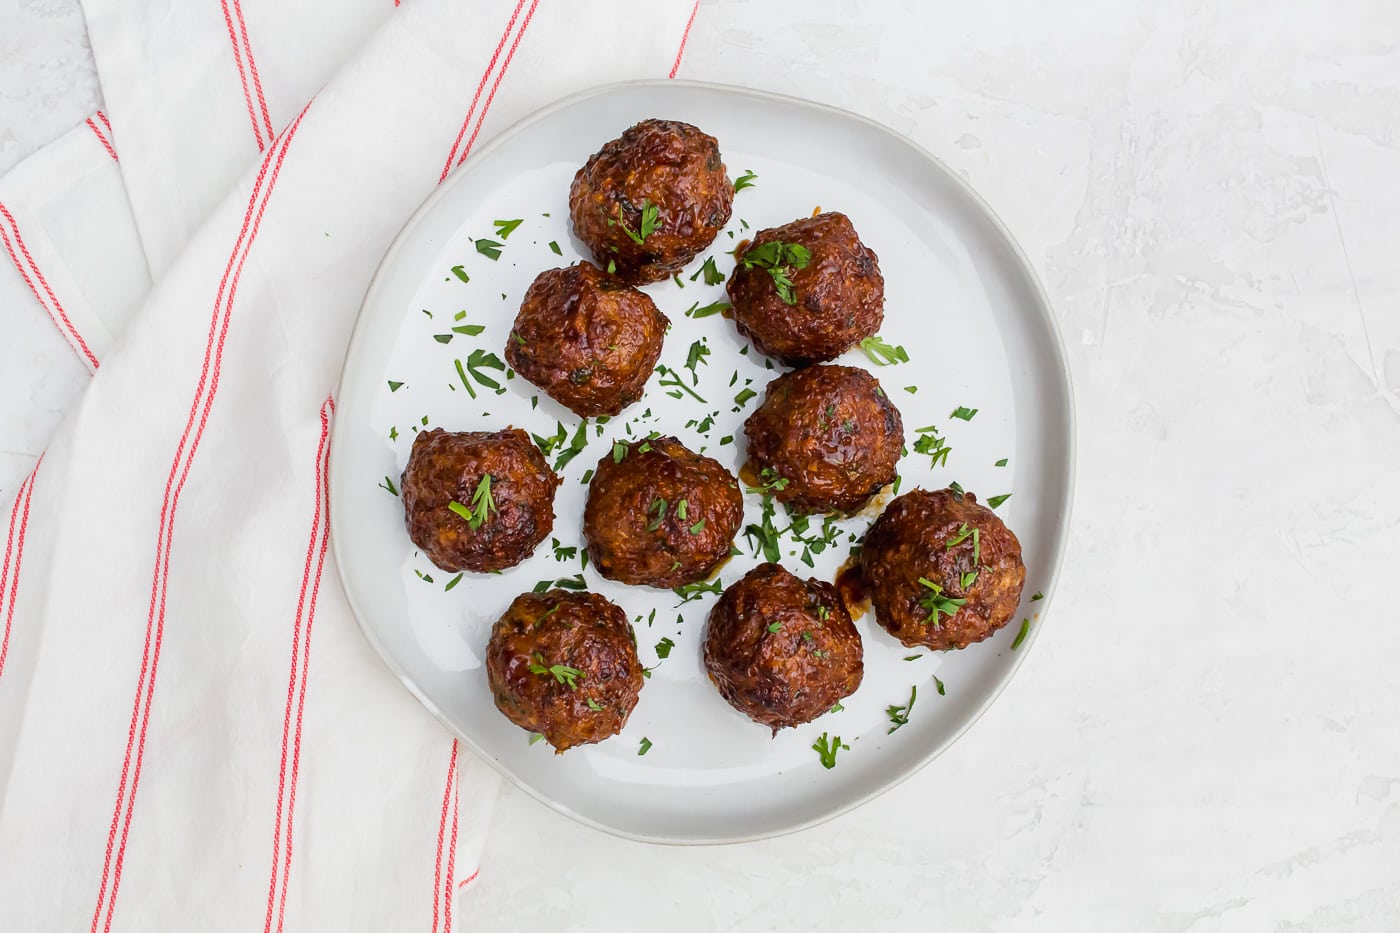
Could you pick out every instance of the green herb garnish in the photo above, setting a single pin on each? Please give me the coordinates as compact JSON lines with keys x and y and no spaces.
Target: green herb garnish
{"x":651,"y":222}
{"x":744,"y":181}
{"x":489,"y":248}
{"x":388,"y":486}
{"x":695,"y":311}
{"x":963,"y":413}
{"x":562,"y":673}
{"x":663,"y":648}
{"x":995,"y":501}
{"x":504,"y":228}
{"x":780,"y":260}
{"x":827,"y":748}
{"x":645,"y":746}
{"x":1021,"y":635}
{"x":899,"y":715}
{"x":461,"y":273}
{"x":881,"y":353}
{"x":935,"y":602}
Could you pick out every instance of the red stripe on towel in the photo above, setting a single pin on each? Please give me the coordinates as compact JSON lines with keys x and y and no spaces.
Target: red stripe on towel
{"x":684,"y":36}
{"x":106,"y":143}
{"x":180,"y":463}
{"x":296,"y":684}
{"x":52,"y":306}
{"x":485,"y":76}
{"x":16,"y":542}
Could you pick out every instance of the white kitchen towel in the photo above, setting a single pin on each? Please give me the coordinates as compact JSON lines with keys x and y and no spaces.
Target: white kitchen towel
{"x":193,"y":733}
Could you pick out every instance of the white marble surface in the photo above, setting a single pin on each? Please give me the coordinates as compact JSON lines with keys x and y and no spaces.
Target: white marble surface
{"x":1206,"y":739}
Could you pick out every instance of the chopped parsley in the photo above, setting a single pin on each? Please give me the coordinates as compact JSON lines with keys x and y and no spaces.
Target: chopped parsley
{"x":562,"y":673}
{"x":780,"y":260}
{"x":619,"y":451}
{"x":837,"y":708}
{"x":504,"y":228}
{"x":593,"y":705}
{"x":663,"y":648}
{"x":963,"y":413}
{"x":554,"y":246}
{"x":1001,"y":462}
{"x":695,"y":311}
{"x":995,"y":501}
{"x":388,"y":485}
{"x":443,"y":338}
{"x":698,"y":527}
{"x":710,"y":271}
{"x":912,"y":657}
{"x":928,"y":442}
{"x":775,"y":627}
{"x":881,"y":353}
{"x":483,"y":504}
{"x":692,"y":591}
{"x":451,"y":583}
{"x":745,"y":180}
{"x":827,"y":749}
{"x":911,"y":389}
{"x":899,"y":715}
{"x":576,"y":445}
{"x":671,"y":379}
{"x":651,"y":222}
{"x":535,"y":737}
{"x":461,"y":273}
{"x":659,"y":507}
{"x":935,"y":603}
{"x":696,"y":357}
{"x":395,"y":386}
{"x":938,"y":685}
{"x":743,"y":398}
{"x":562,"y":553}
{"x":962,"y":535}
{"x":489,"y":248}
{"x":1021,"y":635}
{"x":645,"y":746}
{"x":968,"y":578}
{"x":1037,"y":597}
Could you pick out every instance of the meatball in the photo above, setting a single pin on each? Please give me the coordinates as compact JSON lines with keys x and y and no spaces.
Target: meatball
{"x":781,"y":651}
{"x":652,"y":199}
{"x":808,"y":291}
{"x":825,"y":439}
{"x":477,"y":501}
{"x":564,"y":665}
{"x":943,"y":571}
{"x":585,"y":338}
{"x":660,"y":514}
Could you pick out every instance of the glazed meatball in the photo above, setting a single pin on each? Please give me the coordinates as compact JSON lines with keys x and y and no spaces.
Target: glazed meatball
{"x":477,"y":501}
{"x":825,"y":439}
{"x":782,"y":651}
{"x":587,"y":339}
{"x":812,"y":303}
{"x":564,"y":665}
{"x":651,"y":200}
{"x":660,"y":514}
{"x":942,"y":571}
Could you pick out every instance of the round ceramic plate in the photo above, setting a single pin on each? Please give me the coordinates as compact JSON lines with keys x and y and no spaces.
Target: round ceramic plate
{"x":427,"y":351}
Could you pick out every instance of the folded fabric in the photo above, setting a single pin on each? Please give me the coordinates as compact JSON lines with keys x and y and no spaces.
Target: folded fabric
{"x":193,"y":733}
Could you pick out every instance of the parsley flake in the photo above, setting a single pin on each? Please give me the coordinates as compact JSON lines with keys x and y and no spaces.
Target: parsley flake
{"x":899,"y":715}
{"x":1021,"y":635}
{"x":826,"y":749}
{"x":881,"y":353}
{"x":745,"y":180}
{"x":489,"y":248}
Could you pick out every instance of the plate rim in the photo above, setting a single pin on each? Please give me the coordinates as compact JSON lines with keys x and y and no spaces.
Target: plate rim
{"x":336,"y":472}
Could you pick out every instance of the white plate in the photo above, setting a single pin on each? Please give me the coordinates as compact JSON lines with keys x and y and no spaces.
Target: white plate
{"x":959,"y":296}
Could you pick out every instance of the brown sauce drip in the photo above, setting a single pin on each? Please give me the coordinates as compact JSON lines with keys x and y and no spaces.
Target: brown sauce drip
{"x":853,"y":588}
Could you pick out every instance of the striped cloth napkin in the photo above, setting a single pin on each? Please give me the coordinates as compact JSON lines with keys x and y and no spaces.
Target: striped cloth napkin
{"x":193,"y":733}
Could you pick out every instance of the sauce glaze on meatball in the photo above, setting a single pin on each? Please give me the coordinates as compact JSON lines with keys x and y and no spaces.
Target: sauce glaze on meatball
{"x":512,"y":512}
{"x":587,"y":339}
{"x":660,"y":514}
{"x":665,"y":174}
{"x":943,"y":571}
{"x":830,"y":432}
{"x":564,"y":664}
{"x":838,"y":297}
{"x":782,"y":651}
